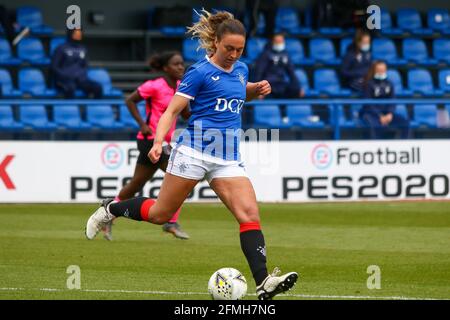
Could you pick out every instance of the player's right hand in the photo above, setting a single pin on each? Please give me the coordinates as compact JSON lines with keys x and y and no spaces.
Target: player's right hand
{"x":155,"y":152}
{"x":145,"y":129}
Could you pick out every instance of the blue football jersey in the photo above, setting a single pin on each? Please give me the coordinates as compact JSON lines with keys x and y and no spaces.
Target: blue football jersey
{"x":217,"y":97}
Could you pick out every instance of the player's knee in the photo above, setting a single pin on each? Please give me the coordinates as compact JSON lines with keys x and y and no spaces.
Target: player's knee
{"x":251,"y":212}
{"x":160,"y":216}
{"x":158,"y":219}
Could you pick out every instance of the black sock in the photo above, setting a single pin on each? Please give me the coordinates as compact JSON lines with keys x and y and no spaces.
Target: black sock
{"x":254,"y":248}
{"x":136,"y":208}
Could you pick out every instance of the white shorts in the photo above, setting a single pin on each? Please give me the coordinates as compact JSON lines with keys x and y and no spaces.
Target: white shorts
{"x":188,"y":163}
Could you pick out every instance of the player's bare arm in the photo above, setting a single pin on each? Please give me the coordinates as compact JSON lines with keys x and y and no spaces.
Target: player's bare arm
{"x":177,"y":104}
{"x":131,"y":102}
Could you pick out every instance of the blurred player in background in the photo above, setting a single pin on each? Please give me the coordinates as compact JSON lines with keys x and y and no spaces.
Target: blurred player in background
{"x":157,"y":93}
{"x":216,"y":88}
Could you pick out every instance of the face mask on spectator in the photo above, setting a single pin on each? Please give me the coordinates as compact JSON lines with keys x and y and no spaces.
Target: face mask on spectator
{"x":365,"y":47}
{"x":380,"y":76}
{"x":279,"y":47}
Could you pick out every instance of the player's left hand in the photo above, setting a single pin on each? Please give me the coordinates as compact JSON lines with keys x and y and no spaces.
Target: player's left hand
{"x":263,"y":88}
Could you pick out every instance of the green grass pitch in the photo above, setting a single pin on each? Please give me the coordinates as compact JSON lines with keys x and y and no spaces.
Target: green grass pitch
{"x":330,"y":245}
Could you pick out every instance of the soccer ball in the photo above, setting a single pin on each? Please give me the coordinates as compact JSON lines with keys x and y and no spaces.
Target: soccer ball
{"x":227,"y":284}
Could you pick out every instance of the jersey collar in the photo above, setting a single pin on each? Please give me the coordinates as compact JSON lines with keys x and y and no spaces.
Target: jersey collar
{"x":219,"y":67}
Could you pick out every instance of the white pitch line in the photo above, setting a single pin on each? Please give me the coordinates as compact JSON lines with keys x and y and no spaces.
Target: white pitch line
{"x":310,"y":296}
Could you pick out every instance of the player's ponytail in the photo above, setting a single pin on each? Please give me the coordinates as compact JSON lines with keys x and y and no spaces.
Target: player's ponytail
{"x":159,"y":60}
{"x":211,"y":26}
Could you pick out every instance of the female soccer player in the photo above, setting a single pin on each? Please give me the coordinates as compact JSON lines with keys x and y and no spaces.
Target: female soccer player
{"x":216,"y":88}
{"x":157,"y":93}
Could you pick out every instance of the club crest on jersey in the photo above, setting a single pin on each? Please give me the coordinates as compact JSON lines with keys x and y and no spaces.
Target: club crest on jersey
{"x":241,"y":78}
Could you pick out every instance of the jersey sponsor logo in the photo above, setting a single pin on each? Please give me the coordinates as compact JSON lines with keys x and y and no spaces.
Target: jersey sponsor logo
{"x":233,"y":105}
{"x":215,"y":78}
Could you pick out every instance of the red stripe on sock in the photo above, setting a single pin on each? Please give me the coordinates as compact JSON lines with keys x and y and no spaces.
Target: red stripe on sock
{"x":145,"y":208}
{"x":247,"y":226}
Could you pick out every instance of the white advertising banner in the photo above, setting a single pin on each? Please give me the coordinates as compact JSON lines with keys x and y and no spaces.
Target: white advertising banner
{"x":280,"y":171}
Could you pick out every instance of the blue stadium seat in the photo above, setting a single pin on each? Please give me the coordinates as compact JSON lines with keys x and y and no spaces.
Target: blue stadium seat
{"x":287,"y":20}
{"x":395,"y":78}
{"x":261,"y":27}
{"x":402,"y":110}
{"x":296,"y":52}
{"x":304,"y":84}
{"x":425,"y":115}
{"x":340,"y":116}
{"x":441,"y":50}
{"x":7,"y":85}
{"x":261,"y":24}
{"x":6,"y":57}
{"x":35,"y":116}
{"x":444,"y":80}
{"x":410,"y":20}
{"x":7,"y":122}
{"x":68,"y":116}
{"x":102,"y":116}
{"x":322,"y":50}
{"x":32,"y":51}
{"x":326,"y":82}
{"x":32,"y":17}
{"x":254,"y":48}
{"x":190,"y":52}
{"x":330,"y":31}
{"x":354,"y":114}
{"x":416,"y":51}
{"x":126,"y":118}
{"x":268,"y":116}
{"x":419,"y":80}
{"x":32,"y":81}
{"x":387,"y":27}
{"x":438,"y":20}
{"x":302,"y":116}
{"x":344,"y":44}
{"x":55,"y":43}
{"x":102,"y":76}
{"x":384,"y":49}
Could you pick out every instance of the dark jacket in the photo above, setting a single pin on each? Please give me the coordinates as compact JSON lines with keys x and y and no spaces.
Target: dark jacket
{"x":355,"y":65}
{"x":378,"y":89}
{"x":277,"y":68}
{"x":69,"y":62}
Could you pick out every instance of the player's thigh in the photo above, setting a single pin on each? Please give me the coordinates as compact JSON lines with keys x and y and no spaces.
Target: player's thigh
{"x":239,"y":197}
{"x":143,"y":173}
{"x":174,"y":191}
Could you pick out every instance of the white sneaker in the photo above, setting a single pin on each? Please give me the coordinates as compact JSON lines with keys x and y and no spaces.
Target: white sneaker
{"x":274,"y":284}
{"x":99,"y":219}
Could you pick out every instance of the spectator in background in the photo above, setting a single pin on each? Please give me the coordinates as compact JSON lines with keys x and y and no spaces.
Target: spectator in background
{"x":379,"y":117}
{"x":275,"y":66}
{"x":70,"y":65}
{"x":356,"y":62}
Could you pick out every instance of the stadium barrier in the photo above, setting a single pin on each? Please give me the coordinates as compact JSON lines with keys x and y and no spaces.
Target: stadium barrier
{"x":295,"y":171}
{"x":335,"y":103}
